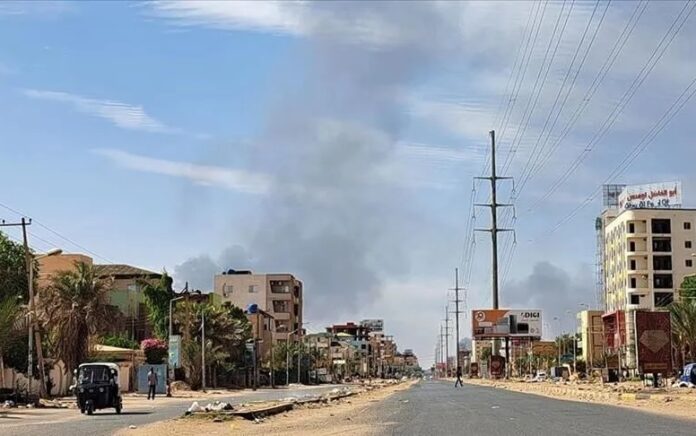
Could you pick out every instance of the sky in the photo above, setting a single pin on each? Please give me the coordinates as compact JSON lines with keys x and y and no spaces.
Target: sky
{"x":339,"y":141}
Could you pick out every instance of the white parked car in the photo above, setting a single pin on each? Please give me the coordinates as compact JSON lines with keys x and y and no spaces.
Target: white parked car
{"x":540,"y":376}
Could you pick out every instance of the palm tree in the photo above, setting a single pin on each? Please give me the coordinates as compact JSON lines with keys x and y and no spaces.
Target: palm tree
{"x":74,"y":307}
{"x":684,"y":326}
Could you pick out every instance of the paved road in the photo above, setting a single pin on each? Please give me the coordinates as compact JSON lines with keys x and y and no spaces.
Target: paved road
{"x":69,"y":422}
{"x":436,"y":408}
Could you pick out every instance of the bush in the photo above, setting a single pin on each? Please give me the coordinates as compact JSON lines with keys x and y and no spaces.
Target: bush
{"x":155,"y":350}
{"x":119,"y":341}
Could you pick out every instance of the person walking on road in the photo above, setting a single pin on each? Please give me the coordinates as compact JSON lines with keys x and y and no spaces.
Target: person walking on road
{"x":151,"y":383}
{"x":459,"y":377}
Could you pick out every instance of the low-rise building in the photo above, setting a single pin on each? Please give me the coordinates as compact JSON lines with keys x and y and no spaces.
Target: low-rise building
{"x":125,"y":295}
{"x":591,"y":331}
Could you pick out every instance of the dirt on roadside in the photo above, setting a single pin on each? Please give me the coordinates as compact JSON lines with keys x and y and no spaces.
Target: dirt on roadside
{"x":311,"y":420}
{"x":679,"y":404}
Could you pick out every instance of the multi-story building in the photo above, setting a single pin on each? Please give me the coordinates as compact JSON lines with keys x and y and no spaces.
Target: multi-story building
{"x":648,"y":253}
{"x":280,"y":295}
{"x":591,"y":331}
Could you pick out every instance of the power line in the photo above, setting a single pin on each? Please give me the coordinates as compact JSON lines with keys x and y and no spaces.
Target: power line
{"x":654,"y":58}
{"x":597,"y":81}
{"x":536,"y":89}
{"x":65,"y":238}
{"x":568,"y":89}
{"x":647,"y":139}
{"x":528,"y":55}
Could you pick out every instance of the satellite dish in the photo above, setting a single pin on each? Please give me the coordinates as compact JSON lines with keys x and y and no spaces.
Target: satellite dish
{"x":252,"y":308}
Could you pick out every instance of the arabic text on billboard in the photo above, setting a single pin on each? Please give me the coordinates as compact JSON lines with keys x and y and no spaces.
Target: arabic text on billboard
{"x":490,"y":323}
{"x":374,"y":325}
{"x":666,"y":195}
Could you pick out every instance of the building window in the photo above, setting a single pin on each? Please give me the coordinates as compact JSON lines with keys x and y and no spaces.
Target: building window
{"x":687,"y":244}
{"x":663,"y":245}
{"x":663,"y":299}
{"x":252,"y":289}
{"x":635,"y":299}
{"x":661,"y":226}
{"x":632,"y":246}
{"x":689,"y":263}
{"x":633,"y":265}
{"x":687,"y":226}
{"x":281,"y":306}
{"x":662,"y":281}
{"x":633,"y":283}
{"x":662,"y":263}
{"x":631,"y":228}
{"x":227,"y":289}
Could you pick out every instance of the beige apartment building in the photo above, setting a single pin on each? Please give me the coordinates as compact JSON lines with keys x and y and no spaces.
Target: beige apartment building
{"x":278,"y":294}
{"x":591,"y":331}
{"x":648,"y":252}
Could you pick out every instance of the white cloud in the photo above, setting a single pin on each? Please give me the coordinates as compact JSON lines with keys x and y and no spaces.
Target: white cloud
{"x":226,"y":178}
{"x":122,"y":115}
{"x":348,"y":23}
{"x":271,"y":16}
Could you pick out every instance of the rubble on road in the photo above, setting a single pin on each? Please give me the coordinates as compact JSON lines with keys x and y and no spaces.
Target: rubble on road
{"x":257,"y":411}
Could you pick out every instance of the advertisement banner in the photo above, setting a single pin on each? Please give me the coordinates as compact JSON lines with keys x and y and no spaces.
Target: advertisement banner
{"x":654,"y":341}
{"x":497,"y":366}
{"x":665,"y":195}
{"x":492,"y":323}
{"x":374,"y":325}
{"x":544,"y":348}
{"x":175,"y":351}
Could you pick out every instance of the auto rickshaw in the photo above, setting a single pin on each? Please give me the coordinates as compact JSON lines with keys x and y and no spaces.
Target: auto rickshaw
{"x":96,"y":387}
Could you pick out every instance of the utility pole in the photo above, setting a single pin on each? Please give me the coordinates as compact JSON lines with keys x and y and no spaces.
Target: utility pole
{"x":203,"y":348}
{"x":494,"y":230}
{"x":442,"y":347}
{"x":447,"y":335}
{"x":456,"y":314}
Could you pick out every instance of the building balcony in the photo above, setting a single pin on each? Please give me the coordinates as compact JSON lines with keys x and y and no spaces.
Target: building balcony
{"x":283,"y":316}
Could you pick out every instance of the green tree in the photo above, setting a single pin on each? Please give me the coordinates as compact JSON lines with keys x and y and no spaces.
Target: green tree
{"x":14,"y":289}
{"x":157,"y":297}
{"x":74,"y":307}
{"x":226,"y":331}
{"x":13,"y":270}
{"x":9,"y":313}
{"x":684,"y":326}
{"x":688,"y":288}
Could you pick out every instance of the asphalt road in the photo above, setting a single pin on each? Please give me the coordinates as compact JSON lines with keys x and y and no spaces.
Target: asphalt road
{"x":69,"y":422}
{"x":436,"y":408}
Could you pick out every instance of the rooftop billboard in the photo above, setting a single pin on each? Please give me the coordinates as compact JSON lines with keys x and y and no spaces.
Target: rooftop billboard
{"x":665,"y":195}
{"x":374,"y":325}
{"x":492,"y":323}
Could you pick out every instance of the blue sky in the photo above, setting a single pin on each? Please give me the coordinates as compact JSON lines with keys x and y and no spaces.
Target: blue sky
{"x":337,"y":141}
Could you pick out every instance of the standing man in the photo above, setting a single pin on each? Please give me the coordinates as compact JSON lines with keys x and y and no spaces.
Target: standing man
{"x":459,"y":377}
{"x":151,"y":383}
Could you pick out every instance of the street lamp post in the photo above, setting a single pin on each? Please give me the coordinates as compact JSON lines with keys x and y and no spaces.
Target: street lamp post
{"x":169,"y":339}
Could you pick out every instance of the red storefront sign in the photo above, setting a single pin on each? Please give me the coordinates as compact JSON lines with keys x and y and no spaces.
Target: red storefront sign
{"x":654,"y":341}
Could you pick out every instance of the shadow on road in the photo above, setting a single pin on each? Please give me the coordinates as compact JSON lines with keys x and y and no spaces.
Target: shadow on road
{"x":96,"y":414}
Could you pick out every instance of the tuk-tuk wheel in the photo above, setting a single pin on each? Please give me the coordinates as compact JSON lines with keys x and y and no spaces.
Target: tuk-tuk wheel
{"x":82,"y":410}
{"x":90,"y":408}
{"x":118,"y":408}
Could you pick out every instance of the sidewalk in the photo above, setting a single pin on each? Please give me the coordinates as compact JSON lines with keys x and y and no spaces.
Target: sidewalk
{"x":670,"y":401}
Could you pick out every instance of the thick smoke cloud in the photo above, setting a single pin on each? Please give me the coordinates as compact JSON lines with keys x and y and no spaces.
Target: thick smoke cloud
{"x":554,"y":291}
{"x":333,"y":216}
